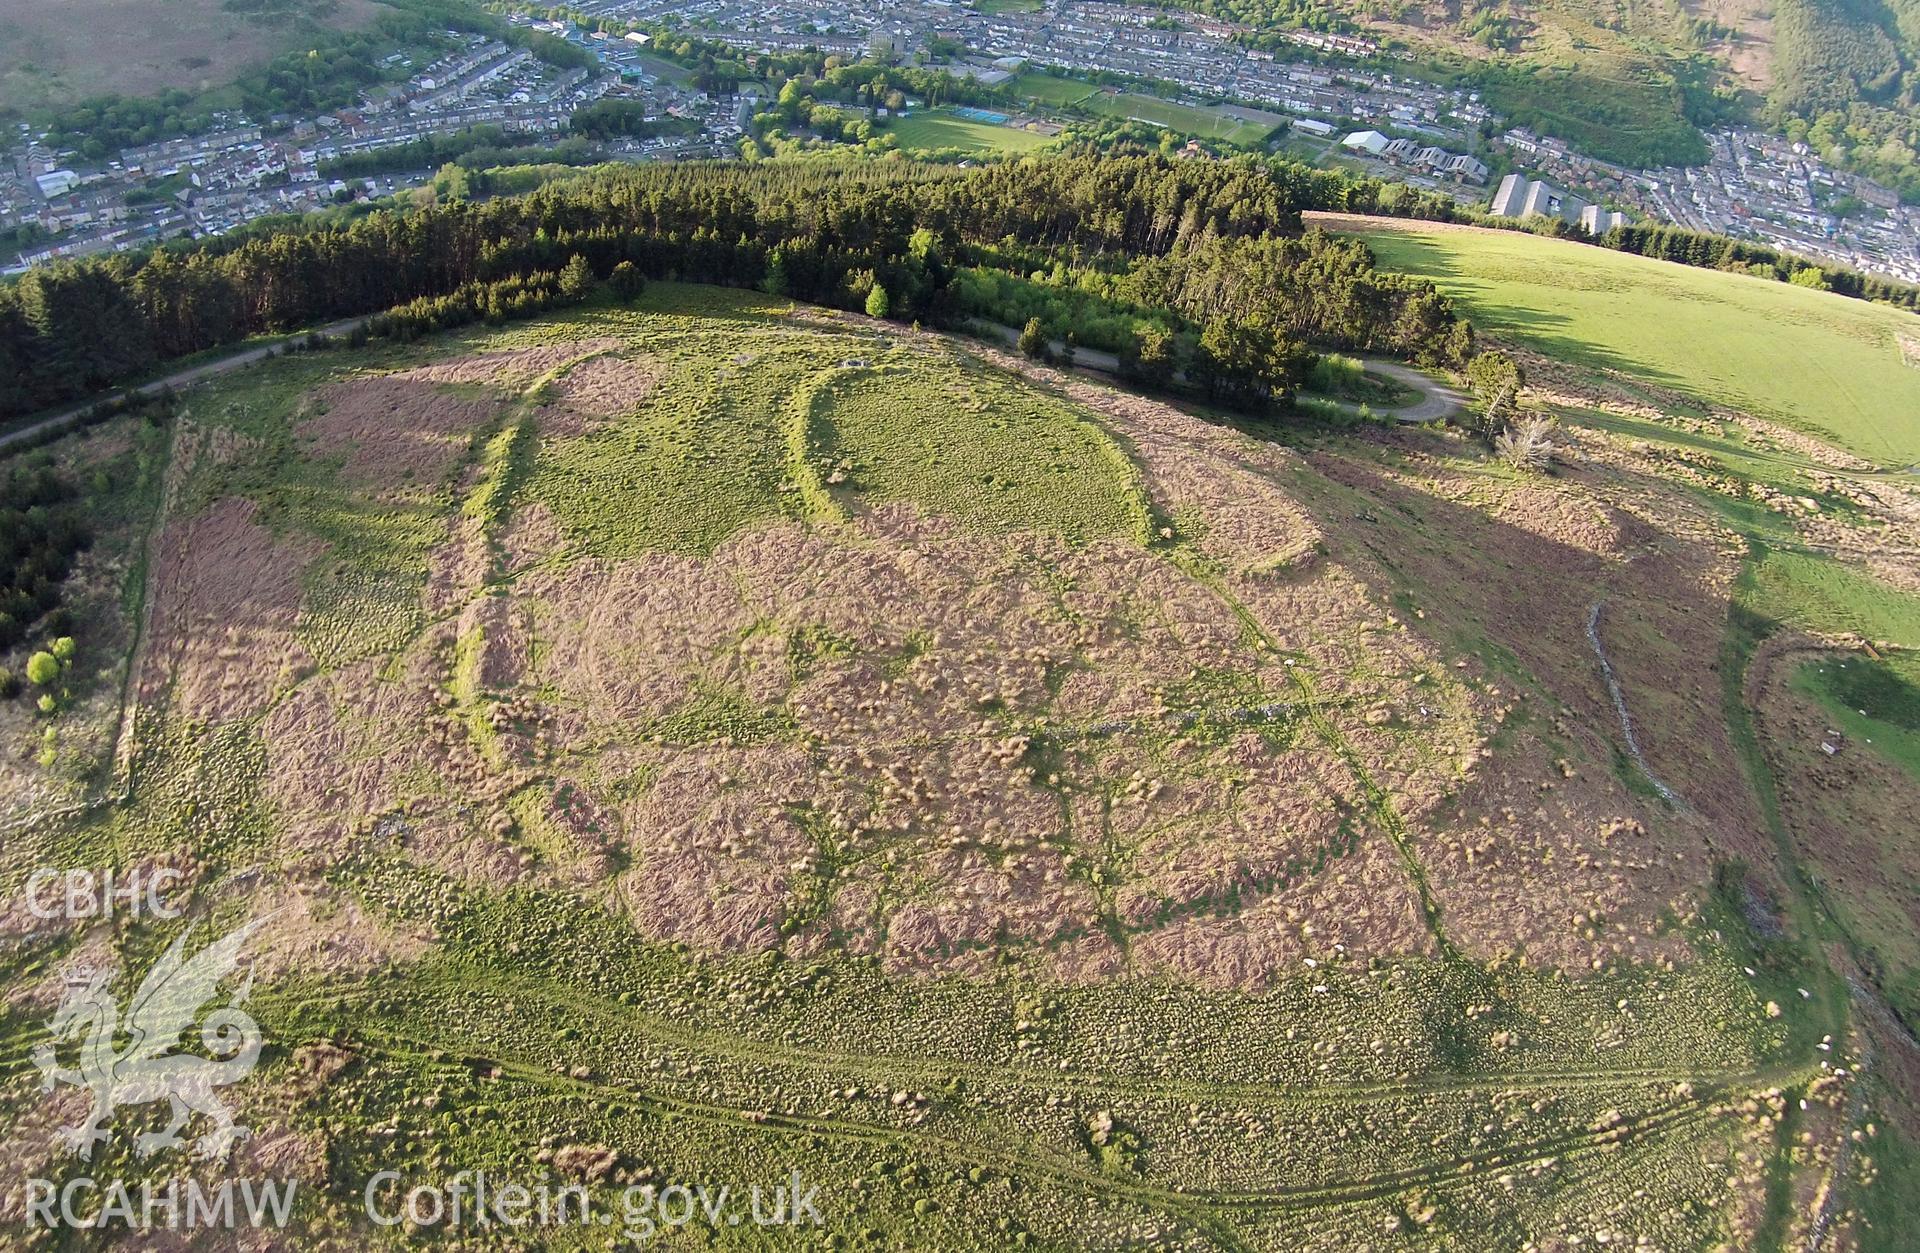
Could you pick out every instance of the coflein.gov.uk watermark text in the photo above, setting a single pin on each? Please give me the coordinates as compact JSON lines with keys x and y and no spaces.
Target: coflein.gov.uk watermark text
{"x":469,"y":1203}
{"x":475,"y":1201}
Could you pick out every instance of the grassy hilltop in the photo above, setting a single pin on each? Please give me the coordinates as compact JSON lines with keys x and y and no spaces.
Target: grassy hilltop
{"x":690,"y":741}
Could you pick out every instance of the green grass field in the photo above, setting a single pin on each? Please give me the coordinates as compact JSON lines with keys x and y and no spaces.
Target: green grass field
{"x":1876,"y":702}
{"x":1819,"y":594}
{"x":1824,"y":364}
{"x":939,"y":128}
{"x":1208,"y":123}
{"x":1051,"y":88}
{"x":1004,"y":457}
{"x":665,"y":70}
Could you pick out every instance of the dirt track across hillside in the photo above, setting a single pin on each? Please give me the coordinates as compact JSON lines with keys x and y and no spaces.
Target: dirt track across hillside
{"x":1437,"y":400}
{"x":179,"y":378}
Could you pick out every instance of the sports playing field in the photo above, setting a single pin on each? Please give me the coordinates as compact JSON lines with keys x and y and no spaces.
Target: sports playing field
{"x":1208,"y":122}
{"x":942,"y":128}
{"x":1050,"y":88}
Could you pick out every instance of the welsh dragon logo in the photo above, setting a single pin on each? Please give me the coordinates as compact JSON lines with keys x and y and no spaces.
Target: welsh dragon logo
{"x":147,"y":1070}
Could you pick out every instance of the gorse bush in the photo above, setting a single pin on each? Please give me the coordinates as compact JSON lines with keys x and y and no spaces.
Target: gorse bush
{"x":497,"y":302}
{"x":1335,"y":375}
{"x":42,"y":669}
{"x":627,"y":282}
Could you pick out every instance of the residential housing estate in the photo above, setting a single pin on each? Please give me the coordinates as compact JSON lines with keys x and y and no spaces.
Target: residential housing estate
{"x":1321,"y":86}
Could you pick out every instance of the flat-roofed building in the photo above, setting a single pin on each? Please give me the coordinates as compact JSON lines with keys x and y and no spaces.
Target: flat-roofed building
{"x":1520,"y":197}
{"x":1599,"y":221}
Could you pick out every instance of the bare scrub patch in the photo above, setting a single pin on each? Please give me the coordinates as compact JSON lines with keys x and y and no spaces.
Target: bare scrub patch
{"x":1228,"y":494}
{"x":624,"y":639}
{"x":1241,"y":517}
{"x":900,"y":737}
{"x":1848,"y":807}
{"x":395,"y":430}
{"x":283,"y":1153}
{"x":593,"y":391}
{"x":1524,"y":571}
{"x":512,"y":368}
{"x":1218,"y":755}
{"x":350,"y":745}
{"x":989,"y":722}
{"x":531,"y":535}
{"x":316,"y":927}
{"x":1663,"y":626}
{"x":494,"y":645}
{"x":1544,"y":837}
{"x":1814,"y":450}
{"x":1575,"y":519}
{"x":383,"y":746}
{"x":714,"y":846}
{"x":93,"y":949}
{"x":1544,"y":854}
{"x":1361,"y":907}
{"x":458,"y":568}
{"x":226,"y":595}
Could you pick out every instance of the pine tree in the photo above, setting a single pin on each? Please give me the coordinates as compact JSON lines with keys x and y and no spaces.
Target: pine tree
{"x":776,"y":283}
{"x":1033,"y":340}
{"x":877,"y":302}
{"x":576,"y":280}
